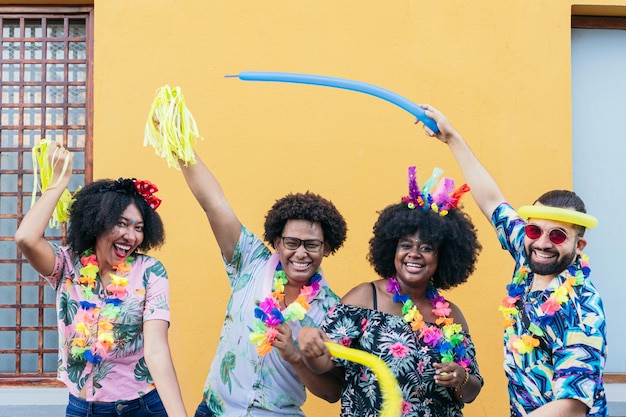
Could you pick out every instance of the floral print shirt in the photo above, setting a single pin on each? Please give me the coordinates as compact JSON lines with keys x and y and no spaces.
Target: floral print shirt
{"x":570,"y":360}
{"x":122,"y":374}
{"x":240,"y":382}
{"x":411,"y":361}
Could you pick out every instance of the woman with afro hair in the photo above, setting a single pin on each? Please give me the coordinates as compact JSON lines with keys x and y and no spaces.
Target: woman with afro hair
{"x":277,"y":286}
{"x":112,"y":299}
{"x":420,"y":245}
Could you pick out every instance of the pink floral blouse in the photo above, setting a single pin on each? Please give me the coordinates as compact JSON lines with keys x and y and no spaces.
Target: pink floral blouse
{"x":122,"y":374}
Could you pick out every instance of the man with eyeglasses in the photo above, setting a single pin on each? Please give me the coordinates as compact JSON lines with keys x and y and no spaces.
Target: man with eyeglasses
{"x":257,"y":369}
{"x":555,"y":338}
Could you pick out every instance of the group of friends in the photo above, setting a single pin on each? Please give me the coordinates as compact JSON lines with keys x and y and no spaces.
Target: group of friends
{"x":113,"y":300}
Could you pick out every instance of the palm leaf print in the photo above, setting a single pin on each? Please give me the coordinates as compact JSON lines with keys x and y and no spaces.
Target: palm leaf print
{"x":228,"y":364}
{"x":142,"y":373}
{"x":67,"y":308}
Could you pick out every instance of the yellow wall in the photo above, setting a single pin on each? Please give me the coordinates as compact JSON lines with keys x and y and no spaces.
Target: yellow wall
{"x":500,"y":70}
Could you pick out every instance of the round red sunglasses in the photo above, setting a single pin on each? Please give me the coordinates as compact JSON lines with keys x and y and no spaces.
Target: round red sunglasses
{"x":556,"y":236}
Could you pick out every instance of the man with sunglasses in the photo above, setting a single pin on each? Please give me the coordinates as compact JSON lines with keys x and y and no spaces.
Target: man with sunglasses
{"x":555,"y":339}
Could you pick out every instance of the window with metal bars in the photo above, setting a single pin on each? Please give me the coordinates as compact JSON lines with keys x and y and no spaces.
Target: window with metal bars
{"x":46,"y":84}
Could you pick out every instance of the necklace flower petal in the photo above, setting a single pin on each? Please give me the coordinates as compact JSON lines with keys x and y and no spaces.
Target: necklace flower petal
{"x":94,"y":328}
{"x":446,"y":336}
{"x":268,"y":314}
{"x":574,"y":276}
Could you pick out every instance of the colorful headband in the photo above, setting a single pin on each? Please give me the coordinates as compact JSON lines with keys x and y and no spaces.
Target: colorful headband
{"x":144,"y":188}
{"x":441,"y":200}
{"x":559,"y":214}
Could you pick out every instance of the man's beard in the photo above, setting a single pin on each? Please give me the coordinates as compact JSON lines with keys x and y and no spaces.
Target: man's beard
{"x":555,"y":267}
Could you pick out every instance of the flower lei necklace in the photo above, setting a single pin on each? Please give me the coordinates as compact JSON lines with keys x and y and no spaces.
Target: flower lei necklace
{"x":268,"y":314}
{"x":446,"y":337}
{"x":94,"y":326}
{"x":574,"y":276}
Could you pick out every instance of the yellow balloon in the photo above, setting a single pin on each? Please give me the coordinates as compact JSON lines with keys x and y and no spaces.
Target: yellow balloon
{"x":389,"y":388}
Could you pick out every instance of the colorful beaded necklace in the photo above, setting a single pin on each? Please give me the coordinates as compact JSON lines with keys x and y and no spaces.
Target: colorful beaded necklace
{"x":268,"y":314}
{"x":94,"y":328}
{"x":446,"y":337}
{"x":573,"y":276}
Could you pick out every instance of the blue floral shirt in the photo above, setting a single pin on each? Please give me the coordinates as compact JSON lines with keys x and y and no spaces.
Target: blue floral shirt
{"x":240,"y":382}
{"x":570,"y":360}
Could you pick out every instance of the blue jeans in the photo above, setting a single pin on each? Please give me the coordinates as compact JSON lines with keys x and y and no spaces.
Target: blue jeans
{"x":149,"y":405}
{"x":203,"y":411}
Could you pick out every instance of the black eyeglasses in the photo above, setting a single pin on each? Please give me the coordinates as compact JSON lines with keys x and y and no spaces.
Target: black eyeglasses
{"x":556,"y":236}
{"x":406,"y":245}
{"x":310,"y":245}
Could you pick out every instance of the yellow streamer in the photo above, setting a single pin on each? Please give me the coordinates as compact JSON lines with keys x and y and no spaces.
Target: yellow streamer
{"x":171,"y":128}
{"x":389,"y":388}
{"x":40,"y":154}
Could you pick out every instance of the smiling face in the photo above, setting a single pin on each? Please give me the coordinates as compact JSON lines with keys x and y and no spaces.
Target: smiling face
{"x":300,"y":264}
{"x":547,"y":258}
{"x":116,"y":244}
{"x":415,"y":261}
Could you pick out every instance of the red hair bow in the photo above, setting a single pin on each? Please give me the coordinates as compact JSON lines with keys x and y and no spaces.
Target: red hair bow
{"x":146,"y":189}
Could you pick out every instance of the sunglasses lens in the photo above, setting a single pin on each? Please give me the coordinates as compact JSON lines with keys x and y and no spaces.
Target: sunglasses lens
{"x":557,"y":236}
{"x":532,"y":231}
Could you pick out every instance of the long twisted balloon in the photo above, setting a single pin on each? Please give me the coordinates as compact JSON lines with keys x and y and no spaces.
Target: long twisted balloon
{"x":358,"y":86}
{"x":389,"y":388}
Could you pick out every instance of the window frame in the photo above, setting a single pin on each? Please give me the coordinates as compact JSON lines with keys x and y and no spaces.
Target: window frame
{"x":67,"y":13}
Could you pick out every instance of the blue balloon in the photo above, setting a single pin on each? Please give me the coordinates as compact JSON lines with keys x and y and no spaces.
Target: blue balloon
{"x":358,"y":86}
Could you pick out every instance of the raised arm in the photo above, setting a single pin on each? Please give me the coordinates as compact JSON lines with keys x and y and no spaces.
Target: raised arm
{"x":207,"y":190}
{"x":29,"y":236}
{"x":484,"y":188}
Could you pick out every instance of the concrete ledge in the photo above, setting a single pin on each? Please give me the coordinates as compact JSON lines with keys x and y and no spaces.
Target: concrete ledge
{"x":33,"y":402}
{"x":616,"y":396}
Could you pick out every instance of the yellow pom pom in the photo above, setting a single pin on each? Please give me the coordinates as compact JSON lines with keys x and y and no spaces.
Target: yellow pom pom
{"x":171,"y":128}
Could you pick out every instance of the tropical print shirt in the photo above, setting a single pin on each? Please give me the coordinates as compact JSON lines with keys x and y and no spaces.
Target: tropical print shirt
{"x":570,"y":359}
{"x":411,"y":361}
{"x":122,"y":374}
{"x":240,"y":382}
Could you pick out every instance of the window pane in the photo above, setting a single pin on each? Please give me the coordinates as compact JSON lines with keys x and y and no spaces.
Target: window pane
{"x":76,"y":94}
{"x":7,"y":274}
{"x":55,"y":50}
{"x":7,"y":363}
{"x":32,"y":50}
{"x":77,"y":73}
{"x":9,"y":138}
{"x":78,"y":50}
{"x":29,"y":363}
{"x":11,"y":50}
{"x":7,"y":296}
{"x":10,"y":94}
{"x":32,"y":28}
{"x":54,"y":116}
{"x":32,"y":94}
{"x":30,"y":294}
{"x":54,"y":73}
{"x":11,"y":72}
{"x":32,"y":72}
{"x":55,"y":28}
{"x":7,"y":340}
{"x":10,"y":28}
{"x":29,"y":339}
{"x":54,"y":94}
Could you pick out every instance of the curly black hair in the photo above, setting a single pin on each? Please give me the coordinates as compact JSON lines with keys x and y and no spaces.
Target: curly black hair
{"x":306,"y":206}
{"x":97,"y":209}
{"x":453,"y":236}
